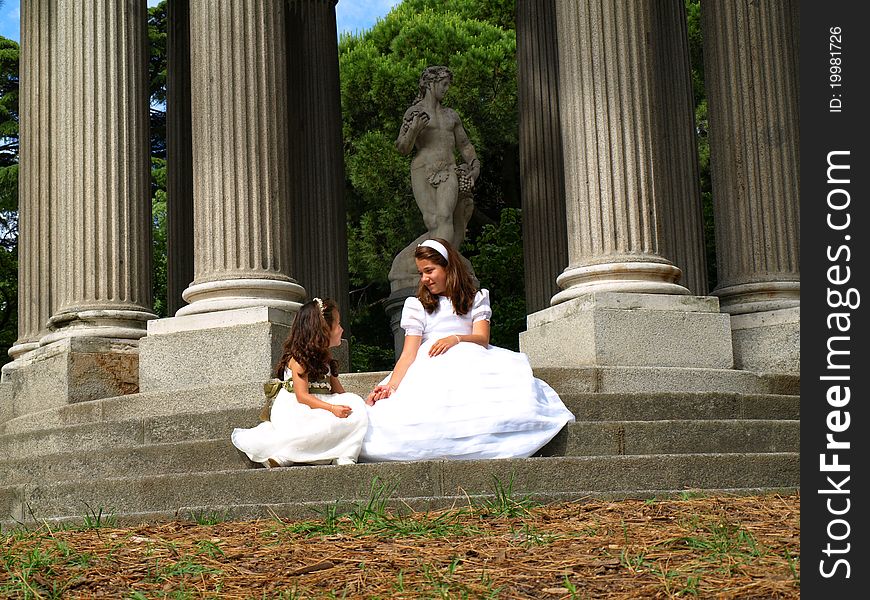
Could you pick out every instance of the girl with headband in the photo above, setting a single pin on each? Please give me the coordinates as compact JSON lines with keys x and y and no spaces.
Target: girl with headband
{"x":451,"y":395}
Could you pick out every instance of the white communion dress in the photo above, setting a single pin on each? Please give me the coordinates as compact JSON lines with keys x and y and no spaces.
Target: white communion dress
{"x":296,"y":433}
{"x":468,"y":403}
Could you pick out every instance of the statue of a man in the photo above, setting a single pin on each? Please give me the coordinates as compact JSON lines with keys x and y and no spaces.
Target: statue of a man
{"x":441,"y":188}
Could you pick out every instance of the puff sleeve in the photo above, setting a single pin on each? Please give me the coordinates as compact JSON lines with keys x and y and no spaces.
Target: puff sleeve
{"x":480,"y":310}
{"x":413,"y":317}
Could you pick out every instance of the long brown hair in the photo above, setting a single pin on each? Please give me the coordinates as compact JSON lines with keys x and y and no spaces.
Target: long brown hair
{"x":459,"y":286}
{"x":308,"y":341}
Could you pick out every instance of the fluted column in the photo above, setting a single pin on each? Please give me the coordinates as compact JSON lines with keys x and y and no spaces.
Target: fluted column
{"x":682,"y":218}
{"x":179,"y":171}
{"x":318,"y":214}
{"x":751,"y":53}
{"x":545,"y":239}
{"x":35,"y":181}
{"x":240,"y":158}
{"x":628,"y":166}
{"x":104,"y":203}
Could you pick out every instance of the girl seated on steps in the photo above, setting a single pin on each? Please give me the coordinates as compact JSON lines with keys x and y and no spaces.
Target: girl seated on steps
{"x":311,"y":420}
{"x":451,"y":394}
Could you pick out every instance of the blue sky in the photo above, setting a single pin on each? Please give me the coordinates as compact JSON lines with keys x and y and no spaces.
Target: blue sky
{"x":351,"y":15}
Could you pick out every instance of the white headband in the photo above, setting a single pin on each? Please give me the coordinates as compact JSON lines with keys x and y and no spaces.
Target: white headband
{"x":436,"y":245}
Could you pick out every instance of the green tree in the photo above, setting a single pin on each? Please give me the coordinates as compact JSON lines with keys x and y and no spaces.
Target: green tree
{"x":380,"y":69}
{"x":696,"y":56}
{"x":157,"y":65}
{"x":9,"y":53}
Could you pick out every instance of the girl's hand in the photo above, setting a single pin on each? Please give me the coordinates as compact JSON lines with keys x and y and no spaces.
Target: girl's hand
{"x":379,"y":393}
{"x":341,"y":411}
{"x":443,"y":345}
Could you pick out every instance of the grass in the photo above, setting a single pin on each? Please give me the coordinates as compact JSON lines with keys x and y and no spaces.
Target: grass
{"x":505,"y":546}
{"x":202,"y":517}
{"x":95,"y":518}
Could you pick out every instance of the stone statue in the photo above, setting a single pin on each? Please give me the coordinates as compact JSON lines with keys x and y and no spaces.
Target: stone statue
{"x":441,"y":188}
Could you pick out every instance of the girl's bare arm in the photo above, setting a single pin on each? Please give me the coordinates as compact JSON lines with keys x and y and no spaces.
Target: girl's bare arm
{"x":479,"y":335}
{"x":409,"y":353}
{"x":300,"y":388}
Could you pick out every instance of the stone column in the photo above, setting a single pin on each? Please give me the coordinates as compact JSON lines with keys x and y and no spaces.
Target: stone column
{"x":100,"y":206}
{"x":105,"y":220}
{"x":179,"y":171}
{"x":240,"y":158}
{"x":243,"y":298}
{"x":36,"y":227}
{"x":631,"y":191}
{"x":751,"y":54}
{"x":318,"y":214}
{"x":545,"y":240}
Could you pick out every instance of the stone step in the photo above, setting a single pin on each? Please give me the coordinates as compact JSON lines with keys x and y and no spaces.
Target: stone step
{"x":191,"y":400}
{"x":238,"y":406}
{"x":435,"y":482}
{"x":587,"y":438}
{"x":611,"y":380}
{"x":90,"y":437}
{"x":681,"y":406}
{"x":582,"y":438}
{"x":639,"y":383}
{"x":152,"y":459}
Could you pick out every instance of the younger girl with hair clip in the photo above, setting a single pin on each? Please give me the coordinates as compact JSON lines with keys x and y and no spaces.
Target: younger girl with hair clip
{"x":312,"y":419}
{"x":451,"y":394}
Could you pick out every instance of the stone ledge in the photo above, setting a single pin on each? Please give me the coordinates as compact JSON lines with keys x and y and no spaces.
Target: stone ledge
{"x":628,"y":329}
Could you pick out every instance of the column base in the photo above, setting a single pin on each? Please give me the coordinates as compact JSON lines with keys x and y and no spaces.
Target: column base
{"x":233,"y":294}
{"x":74,"y":369}
{"x":229,"y":346}
{"x":763,"y":296}
{"x":628,"y":277}
{"x":21,"y":348}
{"x":768,"y":341}
{"x":628,"y":329}
{"x":97,"y":323}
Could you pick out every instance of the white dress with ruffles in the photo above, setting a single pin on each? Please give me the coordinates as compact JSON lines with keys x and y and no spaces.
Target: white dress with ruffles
{"x":468,"y":403}
{"x":298,"y":434}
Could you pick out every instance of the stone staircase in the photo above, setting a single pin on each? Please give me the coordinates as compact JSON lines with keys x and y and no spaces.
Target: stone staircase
{"x":163,"y":455}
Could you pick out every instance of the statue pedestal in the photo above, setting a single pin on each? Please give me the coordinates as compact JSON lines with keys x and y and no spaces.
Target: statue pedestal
{"x":393,"y":306}
{"x":630,"y":329}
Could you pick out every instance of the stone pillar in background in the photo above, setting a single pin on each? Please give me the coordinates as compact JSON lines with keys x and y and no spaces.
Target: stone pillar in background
{"x":101,"y":209}
{"x":36,"y":181}
{"x":681,"y":215}
{"x":631,"y":187}
{"x":317,"y":207}
{"x":545,"y":240}
{"x":179,"y":159}
{"x":751,"y":54}
{"x":242,"y":299}
{"x":37,"y":185}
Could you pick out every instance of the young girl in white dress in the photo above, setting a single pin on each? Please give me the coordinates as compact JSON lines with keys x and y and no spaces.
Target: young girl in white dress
{"x":312,"y":419}
{"x":451,"y":394}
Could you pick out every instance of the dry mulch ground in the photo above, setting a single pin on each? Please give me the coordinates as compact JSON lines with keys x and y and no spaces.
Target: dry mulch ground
{"x":707,"y":547}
